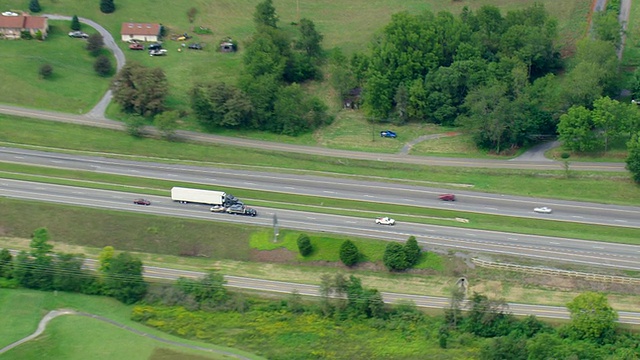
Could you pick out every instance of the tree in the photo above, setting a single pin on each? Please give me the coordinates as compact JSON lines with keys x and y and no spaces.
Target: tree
{"x":68,"y":274}
{"x":349,"y":253}
{"x":220,"y":104}
{"x":124,"y":280}
{"x":310,"y":39}
{"x":208,"y":290}
{"x":576,"y":130}
{"x":488,"y":318}
{"x":191,"y":14}
{"x":394,"y":258}
{"x":105,"y":258}
{"x":107,"y":6}
{"x":5,"y":263}
{"x":607,"y":27}
{"x":412,"y":251}
{"x":265,"y":14}
{"x":609,"y":117}
{"x":592,"y":318}
{"x":46,"y":71}
{"x":140,"y":90}
{"x":34,"y":6}
{"x":95,"y":42}
{"x":633,"y":157}
{"x":102,"y":66}
{"x":167,"y":123}
{"x":40,"y":243}
{"x":304,"y":245}
{"x":505,"y":347}
{"x":75,"y":23}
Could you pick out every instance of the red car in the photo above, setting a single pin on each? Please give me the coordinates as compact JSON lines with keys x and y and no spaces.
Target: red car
{"x":142,"y":202}
{"x":447,"y":197}
{"x":136,"y":46}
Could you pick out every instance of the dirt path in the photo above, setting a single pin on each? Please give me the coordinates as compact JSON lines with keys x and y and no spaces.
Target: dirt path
{"x":55,"y":313}
{"x":407,"y":147}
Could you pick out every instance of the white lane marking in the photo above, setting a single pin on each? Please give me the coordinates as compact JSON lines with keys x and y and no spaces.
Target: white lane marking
{"x":578,"y":217}
{"x":329,"y":192}
{"x":513,"y":239}
{"x":410,"y":200}
{"x":56,"y":161}
{"x":489,"y":208}
{"x":289,"y":188}
{"x":598,"y":247}
{"x":620,"y":220}
{"x":471,"y":234}
{"x":554,"y":243}
{"x":310,"y":218}
{"x":248,"y":183}
{"x":19,"y":157}
{"x":369,"y":196}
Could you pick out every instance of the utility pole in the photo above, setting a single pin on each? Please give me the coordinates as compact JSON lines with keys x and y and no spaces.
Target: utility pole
{"x":276,"y":230}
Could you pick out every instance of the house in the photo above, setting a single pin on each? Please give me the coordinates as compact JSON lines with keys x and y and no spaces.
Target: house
{"x":140,"y":32}
{"x":11,"y":27}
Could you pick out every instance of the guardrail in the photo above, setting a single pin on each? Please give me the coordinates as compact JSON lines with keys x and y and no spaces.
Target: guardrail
{"x":556,"y":272}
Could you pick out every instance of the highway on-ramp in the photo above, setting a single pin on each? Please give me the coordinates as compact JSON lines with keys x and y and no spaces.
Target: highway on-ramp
{"x":596,"y":254}
{"x":370,"y":190}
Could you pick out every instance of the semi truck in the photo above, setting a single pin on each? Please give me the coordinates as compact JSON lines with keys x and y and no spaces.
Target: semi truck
{"x":187,"y":195}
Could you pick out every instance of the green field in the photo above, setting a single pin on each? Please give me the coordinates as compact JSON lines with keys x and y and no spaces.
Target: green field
{"x":344,"y":25}
{"x":79,"y":337}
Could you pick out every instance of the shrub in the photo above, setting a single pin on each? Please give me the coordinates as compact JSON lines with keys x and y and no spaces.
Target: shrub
{"x":46,"y":71}
{"x":75,"y":23}
{"x":395,"y":258}
{"x":304,"y":245}
{"x":95,"y":42}
{"x":412,"y":251}
{"x":107,"y":6}
{"x":349,"y":253}
{"x":34,"y":6}
{"x":102,"y":66}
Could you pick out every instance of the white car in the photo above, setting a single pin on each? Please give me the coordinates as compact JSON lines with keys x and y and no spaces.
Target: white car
{"x":9,"y":13}
{"x":543,"y":210}
{"x":218,"y":208}
{"x":385,"y":221}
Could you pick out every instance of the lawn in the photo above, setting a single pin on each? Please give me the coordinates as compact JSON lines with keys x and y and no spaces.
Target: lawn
{"x":66,"y":336}
{"x":74,"y":86}
{"x":333,"y":19}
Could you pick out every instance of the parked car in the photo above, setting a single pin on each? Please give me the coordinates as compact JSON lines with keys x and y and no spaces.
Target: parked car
{"x":543,"y":210}
{"x":154,"y":46}
{"x":78,"y":34}
{"x":218,"y":208}
{"x":447,"y":197}
{"x":388,"y":134}
{"x":9,"y":13}
{"x":136,"y":46}
{"x":142,"y":202}
{"x":159,"y":52}
{"x":195,"y":46}
{"x":385,"y":221}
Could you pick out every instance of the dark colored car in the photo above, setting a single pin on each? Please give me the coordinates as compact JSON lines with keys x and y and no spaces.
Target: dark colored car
{"x":447,"y":197}
{"x":388,"y":134}
{"x":136,"y":46}
{"x":195,"y":46}
{"x":142,"y":202}
{"x":154,"y":46}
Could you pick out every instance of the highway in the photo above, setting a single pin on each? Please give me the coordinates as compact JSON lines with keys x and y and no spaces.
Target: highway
{"x":337,"y":187}
{"x":429,"y":236}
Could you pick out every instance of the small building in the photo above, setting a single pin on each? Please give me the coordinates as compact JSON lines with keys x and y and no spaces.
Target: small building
{"x":140,"y":32}
{"x":227,"y":46}
{"x":11,"y":27}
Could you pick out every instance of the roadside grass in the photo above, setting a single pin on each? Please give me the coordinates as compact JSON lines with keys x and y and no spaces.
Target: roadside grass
{"x":334,"y":206}
{"x":616,"y":188}
{"x":66,"y":336}
{"x":74,"y":86}
{"x":631,"y":54}
{"x":617,"y":152}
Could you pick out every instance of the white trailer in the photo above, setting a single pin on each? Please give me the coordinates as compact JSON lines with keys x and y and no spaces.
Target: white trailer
{"x":186,"y":195}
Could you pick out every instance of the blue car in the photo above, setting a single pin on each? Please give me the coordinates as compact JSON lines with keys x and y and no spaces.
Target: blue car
{"x":388,"y":134}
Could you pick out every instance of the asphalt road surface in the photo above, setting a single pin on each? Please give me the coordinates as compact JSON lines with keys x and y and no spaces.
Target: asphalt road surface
{"x":561,"y":250}
{"x":340,"y":188}
{"x":318,"y":151}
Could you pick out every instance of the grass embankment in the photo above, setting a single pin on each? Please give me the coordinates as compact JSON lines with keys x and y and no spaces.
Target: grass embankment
{"x":77,"y":337}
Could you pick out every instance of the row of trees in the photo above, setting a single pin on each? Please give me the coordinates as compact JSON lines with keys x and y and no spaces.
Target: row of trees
{"x":397,"y":257}
{"x":118,"y":276}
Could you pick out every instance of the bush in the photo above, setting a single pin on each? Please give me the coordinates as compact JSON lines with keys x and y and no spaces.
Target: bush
{"x":102,"y":66}
{"x":46,"y":71}
{"x":107,"y":6}
{"x":412,"y":251}
{"x":304,"y":245}
{"x":395,"y":258}
{"x":349,"y":253}
{"x":34,"y":6}
{"x":95,"y":42}
{"x":75,"y":23}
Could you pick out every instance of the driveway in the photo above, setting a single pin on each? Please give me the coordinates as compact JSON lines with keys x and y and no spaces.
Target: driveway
{"x":98,"y":111}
